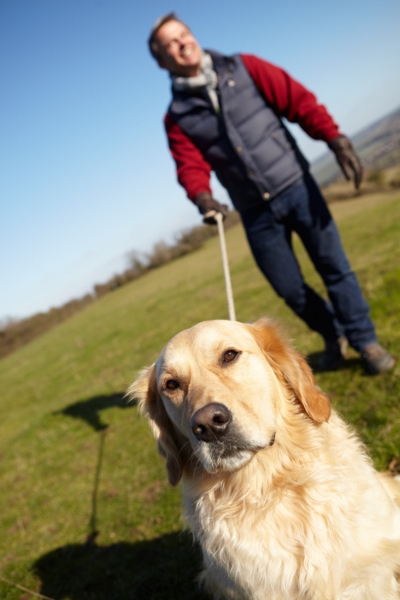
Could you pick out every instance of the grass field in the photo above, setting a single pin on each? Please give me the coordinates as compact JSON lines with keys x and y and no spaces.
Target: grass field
{"x":86,"y":512}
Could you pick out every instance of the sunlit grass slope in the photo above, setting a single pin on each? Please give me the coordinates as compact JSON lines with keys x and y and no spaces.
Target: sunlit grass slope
{"x":85,"y":509}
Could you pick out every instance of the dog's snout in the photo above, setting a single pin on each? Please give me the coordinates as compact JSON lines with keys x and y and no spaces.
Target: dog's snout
{"x":211,"y":422}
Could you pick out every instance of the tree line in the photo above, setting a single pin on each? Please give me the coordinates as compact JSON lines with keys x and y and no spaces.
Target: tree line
{"x":16,"y":333}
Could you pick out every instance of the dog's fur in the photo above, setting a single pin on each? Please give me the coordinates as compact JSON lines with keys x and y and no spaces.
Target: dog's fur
{"x":284,"y":501}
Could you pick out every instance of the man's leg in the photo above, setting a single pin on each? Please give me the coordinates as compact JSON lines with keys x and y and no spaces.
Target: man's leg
{"x":311,"y":219}
{"x":314,"y":224}
{"x":270,"y":242}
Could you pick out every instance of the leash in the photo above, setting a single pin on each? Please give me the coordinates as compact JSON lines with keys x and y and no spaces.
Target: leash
{"x":23,"y":589}
{"x":228,"y":286}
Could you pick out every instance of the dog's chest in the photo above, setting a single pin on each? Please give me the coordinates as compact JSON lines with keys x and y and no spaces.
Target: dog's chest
{"x":243,"y":549}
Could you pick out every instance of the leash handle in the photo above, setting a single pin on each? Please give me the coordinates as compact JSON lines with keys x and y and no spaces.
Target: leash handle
{"x":228,"y":286}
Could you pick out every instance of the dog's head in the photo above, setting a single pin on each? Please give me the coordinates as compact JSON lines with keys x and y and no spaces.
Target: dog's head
{"x":218,"y":391}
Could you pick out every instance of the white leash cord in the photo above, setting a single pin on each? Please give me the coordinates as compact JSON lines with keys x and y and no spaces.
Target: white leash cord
{"x":228,"y":285}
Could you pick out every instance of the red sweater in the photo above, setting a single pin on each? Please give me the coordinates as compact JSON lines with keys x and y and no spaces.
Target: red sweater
{"x":284,"y":94}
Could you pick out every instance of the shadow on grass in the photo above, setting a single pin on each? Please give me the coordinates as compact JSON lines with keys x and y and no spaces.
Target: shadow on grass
{"x":89,"y":410}
{"x":164,"y":568}
{"x":346,"y":365}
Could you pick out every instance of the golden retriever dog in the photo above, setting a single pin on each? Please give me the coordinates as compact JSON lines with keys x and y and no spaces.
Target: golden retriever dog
{"x":278,"y":491}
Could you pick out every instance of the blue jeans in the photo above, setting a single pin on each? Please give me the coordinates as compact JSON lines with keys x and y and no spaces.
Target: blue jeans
{"x":301,"y":208}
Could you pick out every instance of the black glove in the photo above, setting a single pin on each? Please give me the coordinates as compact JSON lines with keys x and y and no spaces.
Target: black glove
{"x":347,"y":159}
{"x":208,"y":207}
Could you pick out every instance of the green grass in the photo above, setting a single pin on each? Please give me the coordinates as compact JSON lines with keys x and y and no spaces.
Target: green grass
{"x":86,"y":512}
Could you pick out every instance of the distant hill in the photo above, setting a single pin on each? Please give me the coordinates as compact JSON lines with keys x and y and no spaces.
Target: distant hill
{"x":378,"y":146}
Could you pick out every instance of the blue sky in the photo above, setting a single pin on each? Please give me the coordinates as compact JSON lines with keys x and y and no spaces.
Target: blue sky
{"x":85,"y":174}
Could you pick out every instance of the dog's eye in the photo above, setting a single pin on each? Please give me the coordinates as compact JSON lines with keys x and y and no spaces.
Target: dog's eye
{"x":229,"y":356}
{"x":171,"y":384}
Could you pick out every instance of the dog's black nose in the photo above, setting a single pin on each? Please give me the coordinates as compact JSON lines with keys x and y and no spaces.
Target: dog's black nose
{"x":211,"y":422}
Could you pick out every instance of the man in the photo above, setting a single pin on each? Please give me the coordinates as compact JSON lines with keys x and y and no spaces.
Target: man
{"x":225,"y":116}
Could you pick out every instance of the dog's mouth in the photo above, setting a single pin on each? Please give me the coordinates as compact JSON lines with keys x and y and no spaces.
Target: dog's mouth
{"x":227,"y":455}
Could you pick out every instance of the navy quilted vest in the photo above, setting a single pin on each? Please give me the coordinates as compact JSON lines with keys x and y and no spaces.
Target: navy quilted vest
{"x":252,"y":153}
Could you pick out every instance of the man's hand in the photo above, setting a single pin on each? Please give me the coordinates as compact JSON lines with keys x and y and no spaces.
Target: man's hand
{"x":347,"y":159}
{"x":208,"y":207}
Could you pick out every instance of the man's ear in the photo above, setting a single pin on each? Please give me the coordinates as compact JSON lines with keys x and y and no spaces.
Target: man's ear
{"x":144,"y":390}
{"x":294,"y":369}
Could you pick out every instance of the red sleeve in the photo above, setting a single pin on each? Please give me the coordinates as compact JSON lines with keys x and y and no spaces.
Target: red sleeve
{"x":290,"y":99}
{"x":192,"y":169}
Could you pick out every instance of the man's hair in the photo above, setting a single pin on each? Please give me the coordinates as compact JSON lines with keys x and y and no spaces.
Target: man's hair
{"x":153,"y":46}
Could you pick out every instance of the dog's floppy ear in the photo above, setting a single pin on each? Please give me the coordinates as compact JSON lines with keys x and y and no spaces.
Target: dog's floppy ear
{"x":144,"y":390}
{"x":294,"y":369}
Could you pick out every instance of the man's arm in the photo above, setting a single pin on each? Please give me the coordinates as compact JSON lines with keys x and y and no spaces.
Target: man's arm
{"x":290,"y":99}
{"x":193,"y":171}
{"x":297,"y":104}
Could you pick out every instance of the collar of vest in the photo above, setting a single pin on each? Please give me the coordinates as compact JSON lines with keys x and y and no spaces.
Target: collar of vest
{"x":183,"y":102}
{"x":222,"y":64}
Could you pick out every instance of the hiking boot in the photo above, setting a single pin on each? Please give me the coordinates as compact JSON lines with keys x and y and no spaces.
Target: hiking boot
{"x":333,"y":355}
{"x":376,"y":359}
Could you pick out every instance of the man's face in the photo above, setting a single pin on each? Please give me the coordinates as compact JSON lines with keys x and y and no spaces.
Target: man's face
{"x":179,"y":51}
